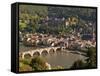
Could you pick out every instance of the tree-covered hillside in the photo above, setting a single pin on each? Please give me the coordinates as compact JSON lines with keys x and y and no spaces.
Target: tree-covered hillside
{"x":50,"y":19}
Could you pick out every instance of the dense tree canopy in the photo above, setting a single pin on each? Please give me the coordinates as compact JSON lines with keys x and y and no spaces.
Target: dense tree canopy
{"x":34,"y":18}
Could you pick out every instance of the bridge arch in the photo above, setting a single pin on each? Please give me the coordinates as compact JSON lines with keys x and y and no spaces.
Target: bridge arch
{"x":59,"y":49}
{"x":51,"y":51}
{"x":44,"y":52}
{"x":36,"y":53}
{"x":27,"y":55}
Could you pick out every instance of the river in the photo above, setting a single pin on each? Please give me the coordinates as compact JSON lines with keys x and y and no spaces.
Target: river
{"x":64,"y":59}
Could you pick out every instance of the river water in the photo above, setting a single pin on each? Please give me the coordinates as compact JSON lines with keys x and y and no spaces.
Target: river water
{"x":64,"y":59}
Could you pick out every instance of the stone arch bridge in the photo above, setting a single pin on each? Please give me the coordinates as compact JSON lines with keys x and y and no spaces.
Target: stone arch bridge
{"x":40,"y":51}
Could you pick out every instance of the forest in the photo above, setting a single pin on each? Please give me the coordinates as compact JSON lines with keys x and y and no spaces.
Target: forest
{"x":51,"y":19}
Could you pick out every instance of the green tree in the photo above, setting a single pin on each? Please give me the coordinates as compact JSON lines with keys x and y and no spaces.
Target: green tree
{"x":22,"y":26}
{"x":38,"y":63}
{"x":79,"y":64}
{"x":24,"y":65}
{"x":91,"y":60}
